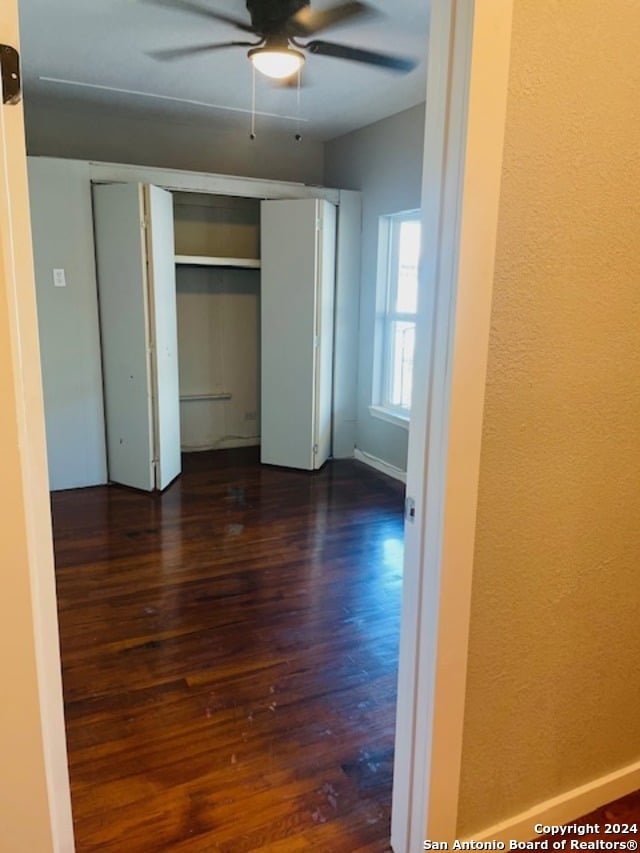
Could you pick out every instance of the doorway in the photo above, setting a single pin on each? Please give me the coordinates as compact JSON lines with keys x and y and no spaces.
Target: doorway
{"x":217,"y":241}
{"x":454,"y":38}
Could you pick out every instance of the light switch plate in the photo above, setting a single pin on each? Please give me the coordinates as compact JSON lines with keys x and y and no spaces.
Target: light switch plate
{"x":59,"y":278}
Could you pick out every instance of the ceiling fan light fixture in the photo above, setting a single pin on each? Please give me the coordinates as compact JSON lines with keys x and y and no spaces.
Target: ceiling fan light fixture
{"x":277,"y":63}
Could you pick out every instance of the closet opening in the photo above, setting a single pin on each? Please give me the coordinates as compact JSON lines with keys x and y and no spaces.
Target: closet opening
{"x":216,"y":328}
{"x":217,"y":255}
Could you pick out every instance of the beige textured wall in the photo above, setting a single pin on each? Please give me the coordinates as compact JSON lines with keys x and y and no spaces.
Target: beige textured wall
{"x":553,"y":693}
{"x":35,"y":807}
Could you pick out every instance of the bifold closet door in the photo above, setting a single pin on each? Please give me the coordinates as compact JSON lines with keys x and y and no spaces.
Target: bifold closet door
{"x":297,"y":284}
{"x":136,"y":287}
{"x":325,"y":313}
{"x":164,"y":333}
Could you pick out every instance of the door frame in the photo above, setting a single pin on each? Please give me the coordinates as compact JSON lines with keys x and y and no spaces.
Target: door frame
{"x":466,"y":103}
{"x":467,"y":85}
{"x":34,"y":781}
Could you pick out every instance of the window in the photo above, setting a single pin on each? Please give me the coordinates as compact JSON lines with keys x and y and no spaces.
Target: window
{"x":397,"y":307}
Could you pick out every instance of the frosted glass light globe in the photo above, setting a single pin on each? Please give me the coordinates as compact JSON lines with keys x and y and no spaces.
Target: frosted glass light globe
{"x":277,"y":64}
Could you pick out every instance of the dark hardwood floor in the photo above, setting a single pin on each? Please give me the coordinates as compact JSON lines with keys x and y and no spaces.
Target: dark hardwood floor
{"x":229,"y":658}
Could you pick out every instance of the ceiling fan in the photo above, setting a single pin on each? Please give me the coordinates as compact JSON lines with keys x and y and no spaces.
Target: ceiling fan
{"x":278,"y":25}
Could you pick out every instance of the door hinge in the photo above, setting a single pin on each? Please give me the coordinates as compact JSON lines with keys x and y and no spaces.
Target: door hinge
{"x":410,"y":510}
{"x":11,"y":84}
{"x":315,"y":449}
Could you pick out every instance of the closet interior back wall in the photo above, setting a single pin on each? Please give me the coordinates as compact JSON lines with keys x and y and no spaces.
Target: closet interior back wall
{"x":216,"y":226}
{"x":218,"y":307}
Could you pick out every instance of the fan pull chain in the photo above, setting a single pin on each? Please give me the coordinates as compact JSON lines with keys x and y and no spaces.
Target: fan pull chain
{"x":298,"y":134}
{"x":252,"y":134}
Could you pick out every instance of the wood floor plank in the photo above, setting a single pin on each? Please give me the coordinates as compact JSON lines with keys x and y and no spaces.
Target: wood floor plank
{"x":229,"y":658}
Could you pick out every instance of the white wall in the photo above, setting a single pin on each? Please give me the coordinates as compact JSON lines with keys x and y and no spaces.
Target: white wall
{"x":62,"y":229}
{"x":86,"y":132}
{"x":384,"y":162}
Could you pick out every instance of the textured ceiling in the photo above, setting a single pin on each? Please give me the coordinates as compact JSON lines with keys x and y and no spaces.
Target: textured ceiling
{"x":102,"y":45}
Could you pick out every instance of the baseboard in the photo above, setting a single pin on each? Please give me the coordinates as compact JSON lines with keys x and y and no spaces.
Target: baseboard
{"x":566,"y":807}
{"x":380,"y":465}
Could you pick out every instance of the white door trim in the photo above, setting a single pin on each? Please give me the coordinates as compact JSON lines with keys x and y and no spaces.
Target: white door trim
{"x":204,"y":182}
{"x":469,"y":49}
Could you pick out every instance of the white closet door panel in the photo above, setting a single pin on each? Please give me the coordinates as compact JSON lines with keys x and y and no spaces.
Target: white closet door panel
{"x":289,"y":269}
{"x":124,"y":324}
{"x":324,"y":332}
{"x":164,"y":333}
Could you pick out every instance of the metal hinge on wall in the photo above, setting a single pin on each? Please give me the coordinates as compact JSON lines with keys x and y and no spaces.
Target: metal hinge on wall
{"x":11,"y":84}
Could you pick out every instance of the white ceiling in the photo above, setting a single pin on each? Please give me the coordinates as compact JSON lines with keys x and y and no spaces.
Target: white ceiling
{"x":101,"y":44}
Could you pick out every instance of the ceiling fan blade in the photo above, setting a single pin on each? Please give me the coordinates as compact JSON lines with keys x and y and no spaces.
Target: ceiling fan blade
{"x":308,"y":22}
{"x":201,"y":9}
{"x":171,"y":53}
{"x":357,"y":54}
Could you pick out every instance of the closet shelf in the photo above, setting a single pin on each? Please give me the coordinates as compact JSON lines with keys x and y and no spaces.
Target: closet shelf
{"x":205,"y":261}
{"x":224,"y":395}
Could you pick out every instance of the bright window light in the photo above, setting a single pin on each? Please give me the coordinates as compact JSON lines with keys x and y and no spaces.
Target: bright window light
{"x":400,"y":257}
